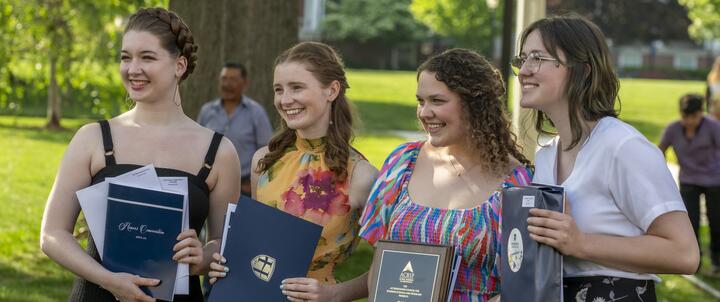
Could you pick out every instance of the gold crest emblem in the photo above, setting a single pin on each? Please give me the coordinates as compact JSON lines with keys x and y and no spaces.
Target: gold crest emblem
{"x":263,"y":267}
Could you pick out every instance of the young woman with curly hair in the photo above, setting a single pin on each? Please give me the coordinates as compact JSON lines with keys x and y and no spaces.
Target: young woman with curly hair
{"x":625,"y":218}
{"x":310,"y":170}
{"x":446,"y":189}
{"x":158,"y":52}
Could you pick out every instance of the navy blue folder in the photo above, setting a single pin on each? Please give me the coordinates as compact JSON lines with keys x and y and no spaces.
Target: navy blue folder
{"x":264,"y":246}
{"x":140,"y":231}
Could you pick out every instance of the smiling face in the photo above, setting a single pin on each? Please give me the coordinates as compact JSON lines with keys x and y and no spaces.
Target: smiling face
{"x":302,"y":101}
{"x":544,"y":89}
{"x":148,"y":71}
{"x":440,"y":111}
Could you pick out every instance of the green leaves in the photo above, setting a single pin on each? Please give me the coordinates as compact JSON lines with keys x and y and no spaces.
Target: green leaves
{"x":705,"y":16}
{"x":385,"y":21}
{"x":84,"y":38}
{"x":468,"y":22}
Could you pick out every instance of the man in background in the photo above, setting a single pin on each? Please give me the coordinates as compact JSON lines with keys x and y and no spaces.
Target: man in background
{"x":695,"y":138}
{"x":237,"y":116}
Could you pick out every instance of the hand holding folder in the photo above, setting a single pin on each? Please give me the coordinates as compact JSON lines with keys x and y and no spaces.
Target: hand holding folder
{"x":140,"y":232}
{"x":263,"y":246}
{"x":93,"y":201}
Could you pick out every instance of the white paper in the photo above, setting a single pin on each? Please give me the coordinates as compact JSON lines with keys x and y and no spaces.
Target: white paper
{"x":230,"y":210}
{"x":93,"y":199}
{"x":180,"y":185}
{"x":528,"y":201}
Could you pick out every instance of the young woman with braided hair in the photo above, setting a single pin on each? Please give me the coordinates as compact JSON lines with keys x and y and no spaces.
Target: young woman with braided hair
{"x":158,"y":52}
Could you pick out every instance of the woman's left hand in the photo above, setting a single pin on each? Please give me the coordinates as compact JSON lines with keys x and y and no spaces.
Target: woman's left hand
{"x":307,"y":289}
{"x":189,"y":250}
{"x":557,"y":230}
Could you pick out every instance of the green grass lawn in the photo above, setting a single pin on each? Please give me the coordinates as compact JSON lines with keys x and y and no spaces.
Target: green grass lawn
{"x":29,"y":158}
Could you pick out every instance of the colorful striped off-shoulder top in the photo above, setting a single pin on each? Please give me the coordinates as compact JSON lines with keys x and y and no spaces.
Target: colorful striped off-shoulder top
{"x":391,"y":214}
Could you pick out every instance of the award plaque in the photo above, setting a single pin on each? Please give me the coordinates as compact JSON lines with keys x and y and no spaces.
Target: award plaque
{"x":410,"y":272}
{"x":529,"y":271}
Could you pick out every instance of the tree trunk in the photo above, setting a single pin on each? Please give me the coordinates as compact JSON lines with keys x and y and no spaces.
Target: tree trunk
{"x":53,"y":108}
{"x":252,"y":32}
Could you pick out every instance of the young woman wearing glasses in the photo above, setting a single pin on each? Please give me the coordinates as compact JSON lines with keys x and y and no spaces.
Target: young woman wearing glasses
{"x":625,"y":219}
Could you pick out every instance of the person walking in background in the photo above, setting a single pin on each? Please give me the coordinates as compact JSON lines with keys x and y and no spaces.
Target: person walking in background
{"x":625,"y":220}
{"x":695,"y":139}
{"x":712,"y":94}
{"x":238,"y":117}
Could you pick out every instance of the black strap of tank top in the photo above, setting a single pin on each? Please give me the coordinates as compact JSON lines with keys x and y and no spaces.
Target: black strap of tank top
{"x":210,"y":156}
{"x":107,"y":143}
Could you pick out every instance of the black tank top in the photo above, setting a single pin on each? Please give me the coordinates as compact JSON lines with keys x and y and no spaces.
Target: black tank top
{"x":198,"y":206}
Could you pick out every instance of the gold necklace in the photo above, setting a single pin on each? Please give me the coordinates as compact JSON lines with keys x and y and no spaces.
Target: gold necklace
{"x":460,"y":172}
{"x":459,"y":168}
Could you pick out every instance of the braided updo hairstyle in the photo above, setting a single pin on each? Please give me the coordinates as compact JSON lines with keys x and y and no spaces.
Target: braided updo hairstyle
{"x":169,"y":28}
{"x":481,"y":89}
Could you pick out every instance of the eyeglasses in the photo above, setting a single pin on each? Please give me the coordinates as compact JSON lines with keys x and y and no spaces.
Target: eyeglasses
{"x":533,"y":62}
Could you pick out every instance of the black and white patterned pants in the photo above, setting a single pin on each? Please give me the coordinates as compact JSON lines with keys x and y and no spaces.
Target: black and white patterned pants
{"x":608,"y":289}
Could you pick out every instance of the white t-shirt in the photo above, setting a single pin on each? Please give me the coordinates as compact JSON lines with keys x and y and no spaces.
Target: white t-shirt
{"x":619,"y":184}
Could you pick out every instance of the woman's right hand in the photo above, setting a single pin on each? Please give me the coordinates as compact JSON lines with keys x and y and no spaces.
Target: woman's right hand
{"x":126,"y":287}
{"x":217,"y":269}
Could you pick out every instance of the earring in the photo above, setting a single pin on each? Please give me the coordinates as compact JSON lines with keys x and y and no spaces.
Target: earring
{"x":177,"y":103}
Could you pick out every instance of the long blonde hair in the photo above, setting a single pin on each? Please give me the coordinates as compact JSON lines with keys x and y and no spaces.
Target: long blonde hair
{"x":714,"y":75}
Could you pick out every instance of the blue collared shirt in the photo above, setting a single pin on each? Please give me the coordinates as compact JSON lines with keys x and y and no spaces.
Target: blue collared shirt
{"x":248,"y":127}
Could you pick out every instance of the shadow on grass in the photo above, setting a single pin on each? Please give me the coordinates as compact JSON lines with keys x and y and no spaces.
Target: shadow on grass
{"x":19,"y":286}
{"x":651,"y":130}
{"x":386,"y":116}
{"x":40,"y":133}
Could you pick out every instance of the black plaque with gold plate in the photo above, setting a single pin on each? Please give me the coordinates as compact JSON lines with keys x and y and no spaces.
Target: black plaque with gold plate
{"x":412,"y":272}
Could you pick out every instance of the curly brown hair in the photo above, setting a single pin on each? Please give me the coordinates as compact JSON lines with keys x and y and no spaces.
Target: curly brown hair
{"x":174,"y":35}
{"x":481,"y":89}
{"x":326,"y":66}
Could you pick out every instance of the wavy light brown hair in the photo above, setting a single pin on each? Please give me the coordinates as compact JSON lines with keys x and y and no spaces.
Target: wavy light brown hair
{"x":592,"y":85}
{"x":482,"y":91}
{"x":714,"y":74}
{"x":326,"y":66}
{"x":174,"y":35}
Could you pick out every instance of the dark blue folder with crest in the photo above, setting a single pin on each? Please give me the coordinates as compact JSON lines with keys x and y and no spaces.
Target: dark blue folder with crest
{"x":264,"y":245}
{"x":140,"y":231}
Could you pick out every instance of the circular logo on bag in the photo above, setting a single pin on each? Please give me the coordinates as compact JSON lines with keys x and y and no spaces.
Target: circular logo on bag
{"x":515,"y":250}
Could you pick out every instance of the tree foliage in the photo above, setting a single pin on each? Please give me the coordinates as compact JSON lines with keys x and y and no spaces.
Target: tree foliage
{"x":705,"y":16}
{"x":62,"y":49}
{"x":469,"y":23}
{"x":632,"y":21}
{"x":383,"y":21}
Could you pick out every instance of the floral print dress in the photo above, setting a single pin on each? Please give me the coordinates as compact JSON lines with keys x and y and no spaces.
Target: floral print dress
{"x":300,"y":183}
